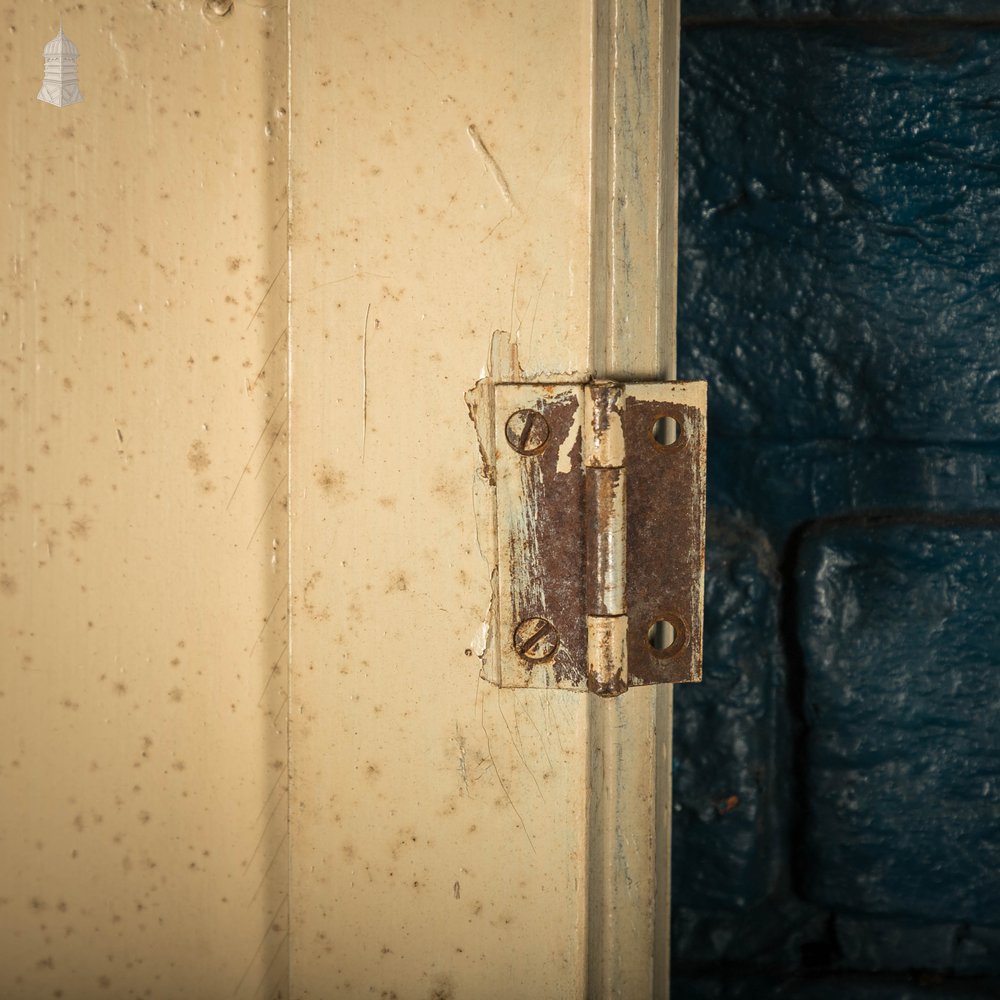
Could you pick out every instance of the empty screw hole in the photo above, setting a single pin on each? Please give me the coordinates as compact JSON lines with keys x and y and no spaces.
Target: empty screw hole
{"x":665,"y":431}
{"x":666,"y":637}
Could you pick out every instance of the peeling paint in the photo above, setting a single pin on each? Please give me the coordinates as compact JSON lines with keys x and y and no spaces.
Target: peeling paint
{"x":571,"y":443}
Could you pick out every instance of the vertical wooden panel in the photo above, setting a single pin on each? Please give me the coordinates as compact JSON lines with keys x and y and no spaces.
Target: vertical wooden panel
{"x":142,"y":474}
{"x":440,"y":193}
{"x":634,"y":338}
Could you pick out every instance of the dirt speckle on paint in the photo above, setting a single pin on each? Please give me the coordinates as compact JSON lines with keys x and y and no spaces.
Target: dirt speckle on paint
{"x":233,"y":263}
{"x":398,"y":583}
{"x":198,"y":457}
{"x":80,"y":528}
{"x":8,"y":585}
{"x":331,"y":481}
{"x":124,"y":317}
{"x":443,"y":990}
{"x":175,"y":694}
{"x":9,"y":497}
{"x":446,"y":487}
{"x":315,"y":613}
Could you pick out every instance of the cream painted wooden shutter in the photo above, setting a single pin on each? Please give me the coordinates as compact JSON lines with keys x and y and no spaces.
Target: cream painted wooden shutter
{"x":246,"y":284}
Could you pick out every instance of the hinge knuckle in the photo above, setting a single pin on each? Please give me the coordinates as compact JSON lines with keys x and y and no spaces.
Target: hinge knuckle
{"x":607,"y":642}
{"x":604,"y":437}
{"x":604,"y":527}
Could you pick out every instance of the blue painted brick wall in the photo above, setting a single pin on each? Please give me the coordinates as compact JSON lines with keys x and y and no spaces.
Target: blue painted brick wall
{"x":837,"y":774}
{"x":769,"y":10}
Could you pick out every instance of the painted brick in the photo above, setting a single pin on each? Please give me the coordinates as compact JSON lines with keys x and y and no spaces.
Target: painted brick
{"x":838,"y":245}
{"x":900,"y":627}
{"x":756,"y":10}
{"x":894,"y":943}
{"x":779,"y":933}
{"x":900,"y":944}
{"x":784,"y":484}
{"x":750,"y":987}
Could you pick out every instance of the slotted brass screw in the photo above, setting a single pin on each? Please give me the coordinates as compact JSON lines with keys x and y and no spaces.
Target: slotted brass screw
{"x":536,"y":639}
{"x":527,"y":432}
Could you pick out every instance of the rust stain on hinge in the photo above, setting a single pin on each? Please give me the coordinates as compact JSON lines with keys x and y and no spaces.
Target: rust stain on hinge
{"x":591,"y":502}
{"x":665,"y":438}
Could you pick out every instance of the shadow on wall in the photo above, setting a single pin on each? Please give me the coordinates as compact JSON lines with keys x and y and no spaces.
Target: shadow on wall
{"x":837,"y":775}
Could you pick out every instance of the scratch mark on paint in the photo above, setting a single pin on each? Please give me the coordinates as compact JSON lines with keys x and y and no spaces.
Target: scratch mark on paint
{"x":347,"y":277}
{"x":267,"y":871}
{"x":364,"y":382}
{"x":270,"y":964}
{"x":541,"y":738}
{"x":272,"y":672}
{"x":516,"y":743}
{"x":277,"y":713}
{"x":510,"y":329}
{"x":492,"y":166}
{"x":277,"y":781}
{"x":552,"y":723}
{"x":496,"y":771}
{"x":534,"y":315}
{"x":260,"y":634}
{"x":268,"y":292}
{"x":277,"y":435}
{"x":260,"y":839}
{"x":253,"y":958}
{"x":270,"y":353}
{"x":267,"y":507}
{"x":494,"y":229}
{"x":260,"y":437}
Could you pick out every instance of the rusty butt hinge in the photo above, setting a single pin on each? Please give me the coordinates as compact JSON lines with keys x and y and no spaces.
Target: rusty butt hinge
{"x":599,"y":533}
